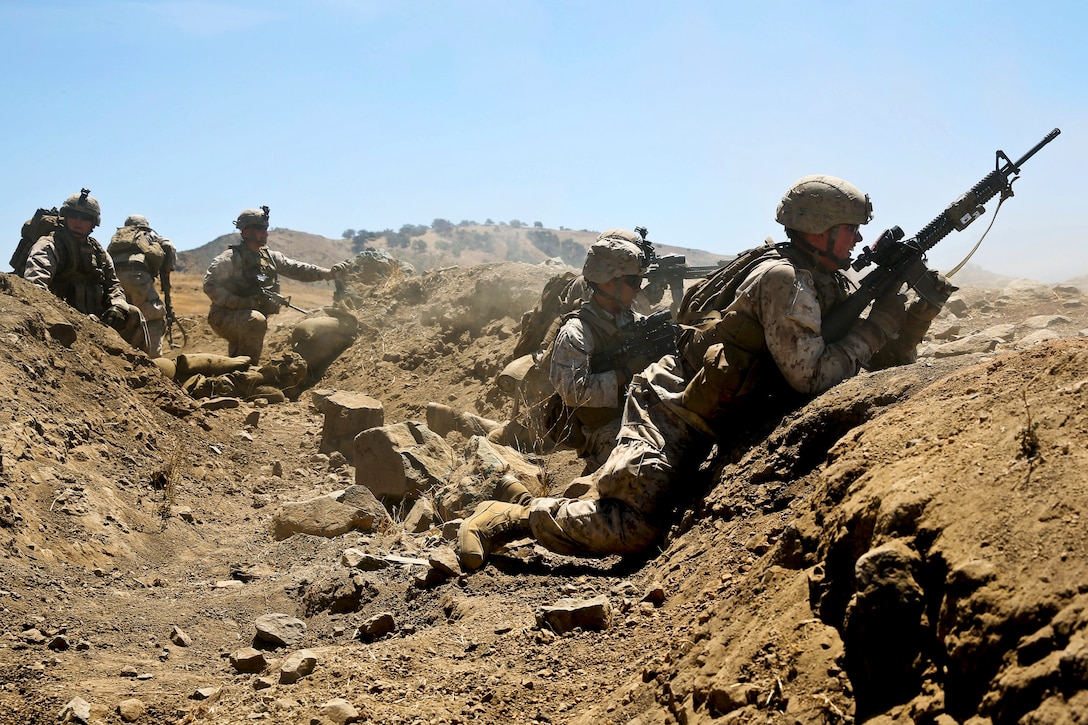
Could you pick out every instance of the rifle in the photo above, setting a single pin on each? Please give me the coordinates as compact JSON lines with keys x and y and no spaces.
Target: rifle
{"x":280,"y":300}
{"x":667,"y":271}
{"x":651,"y":337}
{"x":268,"y":290}
{"x":171,"y":318}
{"x":903,"y":262}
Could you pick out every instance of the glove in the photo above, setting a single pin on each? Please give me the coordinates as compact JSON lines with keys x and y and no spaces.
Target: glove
{"x":889,"y":312}
{"x":115,"y":317}
{"x":933,"y":290}
{"x":338,"y":269}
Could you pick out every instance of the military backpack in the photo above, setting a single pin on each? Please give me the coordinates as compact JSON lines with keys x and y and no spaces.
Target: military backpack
{"x":43,"y":223}
{"x":128,"y":241}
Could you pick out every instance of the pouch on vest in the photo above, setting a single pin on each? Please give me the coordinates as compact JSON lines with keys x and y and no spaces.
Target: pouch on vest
{"x":725,"y":357}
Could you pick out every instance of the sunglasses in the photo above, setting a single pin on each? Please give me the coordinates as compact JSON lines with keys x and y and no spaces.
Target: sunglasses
{"x":634,"y":281}
{"x":81,"y":216}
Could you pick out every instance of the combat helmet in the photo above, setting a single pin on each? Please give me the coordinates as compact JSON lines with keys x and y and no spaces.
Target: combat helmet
{"x":252,"y":217}
{"x":82,"y":203}
{"x":816,"y":203}
{"x":137,"y":220}
{"x":616,"y":253}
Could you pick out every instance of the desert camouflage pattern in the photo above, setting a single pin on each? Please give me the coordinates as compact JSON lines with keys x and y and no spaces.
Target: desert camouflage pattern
{"x":659,"y":437}
{"x":138,"y":282}
{"x":816,"y":203}
{"x":595,"y":397}
{"x":88,"y":281}
{"x":611,"y":257}
{"x":238,"y":312}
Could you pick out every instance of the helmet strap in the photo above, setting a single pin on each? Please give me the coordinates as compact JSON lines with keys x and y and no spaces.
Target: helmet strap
{"x":598,"y":291}
{"x":815,"y":252}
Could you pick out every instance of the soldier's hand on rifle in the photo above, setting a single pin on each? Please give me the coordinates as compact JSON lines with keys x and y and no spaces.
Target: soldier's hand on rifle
{"x":115,"y":317}
{"x":933,"y":289}
{"x":889,"y":311}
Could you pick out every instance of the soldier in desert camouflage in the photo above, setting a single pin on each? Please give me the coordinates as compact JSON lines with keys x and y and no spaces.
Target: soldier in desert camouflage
{"x":239,"y":281}
{"x":761,"y":351}
{"x":71,"y":264}
{"x":140,"y":255}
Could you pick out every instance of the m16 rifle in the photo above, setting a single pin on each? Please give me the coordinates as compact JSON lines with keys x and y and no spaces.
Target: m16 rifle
{"x":903,"y":262}
{"x":649,"y":338}
{"x":280,"y":300}
{"x":269,"y":292}
{"x":667,"y":271}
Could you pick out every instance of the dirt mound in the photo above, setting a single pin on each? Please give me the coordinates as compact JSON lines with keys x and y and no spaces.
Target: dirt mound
{"x":905,"y":548}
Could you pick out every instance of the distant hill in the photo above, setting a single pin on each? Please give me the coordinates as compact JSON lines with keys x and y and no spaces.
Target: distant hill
{"x":974,"y":276}
{"x":428,"y":248}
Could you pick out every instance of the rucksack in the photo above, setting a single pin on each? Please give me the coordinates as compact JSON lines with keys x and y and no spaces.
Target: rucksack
{"x":44,"y":222}
{"x":542,"y":321}
{"x":718,"y":290}
{"x":127,"y":241}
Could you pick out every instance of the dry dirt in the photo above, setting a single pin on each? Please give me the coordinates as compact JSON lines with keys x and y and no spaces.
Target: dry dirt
{"x":905,"y":548}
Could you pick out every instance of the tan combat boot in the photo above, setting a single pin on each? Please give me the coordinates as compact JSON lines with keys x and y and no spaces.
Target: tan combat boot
{"x":511,"y":490}
{"x":441,"y":418}
{"x":493,"y":524}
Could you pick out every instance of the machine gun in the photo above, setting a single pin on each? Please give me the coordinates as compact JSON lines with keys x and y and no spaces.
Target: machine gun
{"x":651,"y":337}
{"x":903,"y":262}
{"x":667,"y":271}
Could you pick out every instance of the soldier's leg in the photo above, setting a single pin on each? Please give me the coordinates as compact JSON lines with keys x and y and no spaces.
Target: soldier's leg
{"x":156,"y":330}
{"x":599,"y":444}
{"x":243,"y":330}
{"x":599,"y":527}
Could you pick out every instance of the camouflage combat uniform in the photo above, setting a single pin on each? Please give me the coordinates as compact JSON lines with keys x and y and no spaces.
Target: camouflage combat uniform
{"x":595,"y":399}
{"x":82,"y":274}
{"x":137,"y":276}
{"x":786,"y":297}
{"x":239,"y":312}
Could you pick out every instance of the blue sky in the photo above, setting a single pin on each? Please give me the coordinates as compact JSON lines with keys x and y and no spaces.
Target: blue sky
{"x":688,"y":117}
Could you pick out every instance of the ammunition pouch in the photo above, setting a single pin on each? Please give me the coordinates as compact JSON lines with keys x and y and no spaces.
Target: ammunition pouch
{"x":723,"y":356}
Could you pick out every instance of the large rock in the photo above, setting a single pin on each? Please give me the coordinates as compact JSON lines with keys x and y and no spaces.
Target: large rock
{"x":348,"y":414}
{"x":326,"y":516}
{"x":402,"y":460}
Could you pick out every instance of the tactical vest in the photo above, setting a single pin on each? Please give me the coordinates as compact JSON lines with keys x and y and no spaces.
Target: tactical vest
{"x":137,"y":246}
{"x":743,"y":361}
{"x":545,"y":413}
{"x":250,"y":271}
{"x":606,"y":335}
{"x":80,"y":276}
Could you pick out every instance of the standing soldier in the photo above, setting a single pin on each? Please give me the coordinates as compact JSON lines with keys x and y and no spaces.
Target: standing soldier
{"x":140,"y":255}
{"x":238,"y":279}
{"x":71,"y":264}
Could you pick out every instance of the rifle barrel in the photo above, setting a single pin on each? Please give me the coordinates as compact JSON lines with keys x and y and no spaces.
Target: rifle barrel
{"x":994,"y":182}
